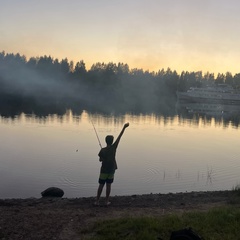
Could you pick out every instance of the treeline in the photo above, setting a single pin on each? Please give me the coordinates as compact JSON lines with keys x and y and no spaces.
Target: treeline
{"x":48,"y":84}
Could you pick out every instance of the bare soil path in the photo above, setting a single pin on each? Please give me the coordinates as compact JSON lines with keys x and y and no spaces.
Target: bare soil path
{"x":62,"y":219}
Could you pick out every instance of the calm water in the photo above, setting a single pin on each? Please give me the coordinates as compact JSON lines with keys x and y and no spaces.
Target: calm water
{"x":155,"y":155}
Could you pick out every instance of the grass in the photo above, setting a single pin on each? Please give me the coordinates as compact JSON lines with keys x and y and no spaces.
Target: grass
{"x":217,"y":224}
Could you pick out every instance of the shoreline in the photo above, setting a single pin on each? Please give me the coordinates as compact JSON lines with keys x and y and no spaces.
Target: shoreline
{"x":121,"y":200}
{"x":66,"y":218}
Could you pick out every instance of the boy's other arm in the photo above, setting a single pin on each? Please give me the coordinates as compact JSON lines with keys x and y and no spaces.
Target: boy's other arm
{"x":100,"y":154}
{"x":120,"y":134}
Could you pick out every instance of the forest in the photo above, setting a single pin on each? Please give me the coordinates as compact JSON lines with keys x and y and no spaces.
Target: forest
{"x":47,"y":85}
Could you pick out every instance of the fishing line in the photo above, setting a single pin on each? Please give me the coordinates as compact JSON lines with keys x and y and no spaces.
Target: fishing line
{"x":96,"y":133}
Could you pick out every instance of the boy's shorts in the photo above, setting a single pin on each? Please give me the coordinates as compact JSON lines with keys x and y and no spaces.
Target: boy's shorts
{"x":106,"y":178}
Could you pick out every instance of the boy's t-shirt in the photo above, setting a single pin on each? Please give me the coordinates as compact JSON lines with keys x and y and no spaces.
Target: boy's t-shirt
{"x":108,"y":158}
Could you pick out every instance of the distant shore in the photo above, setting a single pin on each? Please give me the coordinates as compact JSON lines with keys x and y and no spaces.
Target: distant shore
{"x":65,"y":218}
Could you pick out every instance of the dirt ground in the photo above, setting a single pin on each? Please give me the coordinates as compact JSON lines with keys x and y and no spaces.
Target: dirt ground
{"x":64,"y":218}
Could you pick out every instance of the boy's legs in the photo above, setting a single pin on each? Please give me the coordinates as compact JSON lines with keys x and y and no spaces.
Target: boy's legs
{"x":108,"y":191}
{"x":101,"y":181}
{"x":99,"y":192}
{"x":108,"y":179}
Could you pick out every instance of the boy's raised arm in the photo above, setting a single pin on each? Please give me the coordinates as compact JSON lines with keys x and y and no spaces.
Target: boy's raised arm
{"x":120,"y":134}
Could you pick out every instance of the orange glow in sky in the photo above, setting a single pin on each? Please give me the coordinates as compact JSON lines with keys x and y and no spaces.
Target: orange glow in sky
{"x":184,"y":35}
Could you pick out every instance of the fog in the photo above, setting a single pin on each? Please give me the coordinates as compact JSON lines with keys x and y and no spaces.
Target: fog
{"x":44,"y":85}
{"x":58,"y":84}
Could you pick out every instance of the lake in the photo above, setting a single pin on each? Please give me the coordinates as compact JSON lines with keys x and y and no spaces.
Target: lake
{"x":157,"y":154}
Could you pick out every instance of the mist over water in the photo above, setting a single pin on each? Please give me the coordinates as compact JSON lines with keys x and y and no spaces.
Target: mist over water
{"x":46,"y":85}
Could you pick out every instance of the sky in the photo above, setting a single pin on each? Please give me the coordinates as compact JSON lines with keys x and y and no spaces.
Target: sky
{"x":184,"y":35}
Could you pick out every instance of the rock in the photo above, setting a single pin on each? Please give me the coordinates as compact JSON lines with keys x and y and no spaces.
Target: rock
{"x":52,"y":192}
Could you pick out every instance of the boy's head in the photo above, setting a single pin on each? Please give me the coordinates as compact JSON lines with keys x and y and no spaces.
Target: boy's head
{"x":109,"y":139}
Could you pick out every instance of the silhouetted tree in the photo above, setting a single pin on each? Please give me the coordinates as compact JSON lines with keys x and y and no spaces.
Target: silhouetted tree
{"x":229,"y":79}
{"x":80,"y":70}
{"x":236,"y":80}
{"x":208,"y":78}
{"x":46,"y":83}
{"x":220,"y":78}
{"x":65,"y":67}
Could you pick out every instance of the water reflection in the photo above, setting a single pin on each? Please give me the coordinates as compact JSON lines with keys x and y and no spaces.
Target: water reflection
{"x":159,"y":153}
{"x":190,"y":113}
{"x":222,"y":114}
{"x":98,"y":118}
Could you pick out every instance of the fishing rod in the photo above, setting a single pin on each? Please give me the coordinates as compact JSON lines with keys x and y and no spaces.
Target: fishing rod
{"x":96,"y":133}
